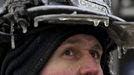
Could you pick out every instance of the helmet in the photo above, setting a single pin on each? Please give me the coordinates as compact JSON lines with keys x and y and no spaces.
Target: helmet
{"x":24,"y":14}
{"x":21,"y":17}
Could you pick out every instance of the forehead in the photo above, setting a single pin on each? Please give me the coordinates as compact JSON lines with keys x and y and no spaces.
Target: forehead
{"x":82,"y":38}
{"x":77,"y":37}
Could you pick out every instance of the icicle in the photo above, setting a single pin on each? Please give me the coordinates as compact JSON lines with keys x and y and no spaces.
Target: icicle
{"x":111,"y":62}
{"x":124,"y":50}
{"x":112,"y":72}
{"x":12,"y":42}
{"x":106,"y":23}
{"x":12,"y":36}
{"x":111,"y":57}
{"x":75,"y":12}
{"x":119,"y":52}
{"x":35,"y":24}
{"x":23,"y":23}
{"x":24,"y":28}
{"x":96,"y":22}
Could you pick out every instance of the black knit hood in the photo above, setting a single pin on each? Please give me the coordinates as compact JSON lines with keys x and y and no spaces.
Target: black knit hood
{"x":34,"y":50}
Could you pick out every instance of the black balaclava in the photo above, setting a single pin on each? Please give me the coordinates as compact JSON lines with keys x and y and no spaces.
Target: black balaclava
{"x":34,"y":50}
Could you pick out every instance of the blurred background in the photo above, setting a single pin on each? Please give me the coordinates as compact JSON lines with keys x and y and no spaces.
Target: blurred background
{"x":125,"y":10}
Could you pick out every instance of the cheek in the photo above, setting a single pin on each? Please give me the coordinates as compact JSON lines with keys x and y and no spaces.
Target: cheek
{"x":59,"y":70}
{"x":100,"y":71}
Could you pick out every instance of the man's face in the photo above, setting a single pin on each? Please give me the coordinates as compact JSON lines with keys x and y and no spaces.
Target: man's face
{"x":78,"y":55}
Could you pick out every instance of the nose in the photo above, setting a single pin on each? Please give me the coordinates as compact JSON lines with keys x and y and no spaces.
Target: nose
{"x":89,"y":67}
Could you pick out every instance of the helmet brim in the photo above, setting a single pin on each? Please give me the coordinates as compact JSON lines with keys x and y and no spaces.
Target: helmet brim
{"x":68,"y":9}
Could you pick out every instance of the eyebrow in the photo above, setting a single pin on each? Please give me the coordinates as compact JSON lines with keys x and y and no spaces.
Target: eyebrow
{"x":72,"y":41}
{"x":98,"y":46}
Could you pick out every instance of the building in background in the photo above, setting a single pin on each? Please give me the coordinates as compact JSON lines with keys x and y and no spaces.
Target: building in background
{"x":127,"y":63}
{"x":124,"y":9}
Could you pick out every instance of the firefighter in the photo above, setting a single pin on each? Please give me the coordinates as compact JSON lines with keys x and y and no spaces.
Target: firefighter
{"x":59,"y":37}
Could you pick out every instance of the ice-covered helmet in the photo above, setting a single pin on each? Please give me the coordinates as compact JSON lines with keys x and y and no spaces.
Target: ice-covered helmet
{"x":19,"y":17}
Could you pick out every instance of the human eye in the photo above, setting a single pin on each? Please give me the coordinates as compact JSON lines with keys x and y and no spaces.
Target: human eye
{"x":95,"y":54}
{"x":68,"y":52}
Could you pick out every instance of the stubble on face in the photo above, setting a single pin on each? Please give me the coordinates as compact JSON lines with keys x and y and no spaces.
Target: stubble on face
{"x":82,"y":50}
